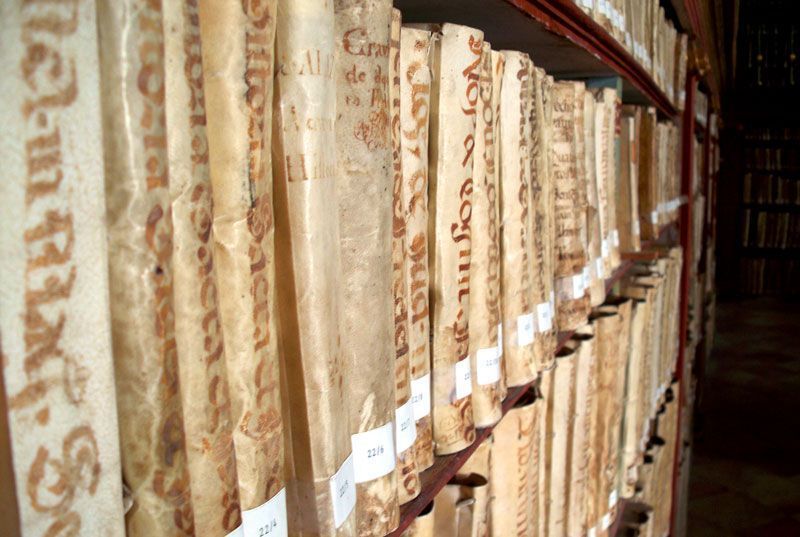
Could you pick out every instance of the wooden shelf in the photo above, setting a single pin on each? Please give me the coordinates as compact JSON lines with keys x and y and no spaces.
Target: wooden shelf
{"x":557,"y":34}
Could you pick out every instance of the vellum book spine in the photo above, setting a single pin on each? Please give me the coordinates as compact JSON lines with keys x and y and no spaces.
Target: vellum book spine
{"x":364,"y":169}
{"x":415,"y":91}
{"x":515,"y":194}
{"x":203,"y":379}
{"x":408,"y":481}
{"x":596,"y":247}
{"x":484,"y":313}
{"x":455,"y":97}
{"x":238,"y":66}
{"x":140,"y":238}
{"x":308,"y":273}
{"x":572,"y":302}
{"x":59,"y":444}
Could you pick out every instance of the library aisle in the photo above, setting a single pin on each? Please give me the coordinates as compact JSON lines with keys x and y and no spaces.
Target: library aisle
{"x":745,"y":477}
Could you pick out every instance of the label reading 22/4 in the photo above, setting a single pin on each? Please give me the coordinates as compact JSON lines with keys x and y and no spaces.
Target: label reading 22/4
{"x":268,"y":519}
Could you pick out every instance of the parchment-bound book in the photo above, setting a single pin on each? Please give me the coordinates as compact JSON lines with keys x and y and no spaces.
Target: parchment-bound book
{"x":560,"y":414}
{"x":517,"y":243}
{"x":549,"y":203}
{"x":572,"y":301}
{"x":485,"y":306}
{"x":141,"y":276}
{"x":542,"y":505}
{"x":648,"y":175}
{"x":628,"y":195}
{"x":462,"y":507}
{"x":316,"y":376}
{"x":422,"y":526}
{"x":515,"y":468}
{"x":59,"y":442}
{"x":603,"y":169}
{"x":454,"y":101}
{"x":415,"y":86}
{"x":203,"y":378}
{"x":595,"y":246}
{"x":408,"y":483}
{"x":364,"y":172}
{"x":541,"y":266}
{"x":238,"y":66}
{"x":612,"y":117}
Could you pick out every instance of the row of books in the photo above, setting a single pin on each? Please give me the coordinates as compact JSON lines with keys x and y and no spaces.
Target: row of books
{"x":593,"y":431}
{"x":764,"y":276}
{"x":776,"y":134}
{"x":770,"y":52}
{"x":641,"y":26}
{"x":772,"y":158}
{"x":770,"y":188}
{"x":264,"y":260}
{"x":770,"y":229}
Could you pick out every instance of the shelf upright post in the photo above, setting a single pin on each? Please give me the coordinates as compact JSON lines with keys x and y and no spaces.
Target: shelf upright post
{"x":687,"y":167}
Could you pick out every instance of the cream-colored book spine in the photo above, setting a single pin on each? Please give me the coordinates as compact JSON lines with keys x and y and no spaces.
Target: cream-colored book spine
{"x":560,"y":412}
{"x":141,"y":275}
{"x":59,"y":443}
{"x":542,"y":439}
{"x":612,"y":106}
{"x":602,"y":167}
{"x":572,"y":301}
{"x":321,"y":488}
{"x":238,"y":66}
{"x":422,"y":526}
{"x":485,"y":308}
{"x":597,"y":248}
{"x":408,"y":484}
{"x":364,"y":169}
{"x":454,"y":101}
{"x":548,"y":202}
{"x":517,"y":299}
{"x":415,"y":88}
{"x":203,"y":378}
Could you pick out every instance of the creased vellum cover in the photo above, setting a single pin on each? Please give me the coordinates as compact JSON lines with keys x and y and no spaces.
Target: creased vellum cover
{"x":203,"y":378}
{"x":647,"y":174}
{"x":498,"y":68}
{"x":470,"y":507}
{"x":484,"y":313}
{"x":514,"y":470}
{"x":542,"y":218}
{"x":307,"y":258}
{"x":542,"y":439}
{"x":454,"y":101}
{"x":560,"y":414}
{"x":515,"y":213}
{"x":422,"y":526}
{"x":415,"y":91}
{"x":549,"y":202}
{"x":633,"y":396}
{"x":408,"y":482}
{"x":238,"y":68}
{"x":570,"y":254}
{"x":364,"y":171}
{"x":597,"y":285}
{"x":56,"y":348}
{"x":601,"y":136}
{"x":582,"y":195}
{"x":583,"y":343}
{"x":141,"y":275}
{"x":612,"y":118}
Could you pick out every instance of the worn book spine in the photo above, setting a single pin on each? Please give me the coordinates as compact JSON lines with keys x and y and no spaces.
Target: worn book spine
{"x":462,"y":507}
{"x":542,"y":440}
{"x":560,"y":414}
{"x":515,"y":469}
{"x":321,"y":488}
{"x":408,"y":482}
{"x":364,"y":169}
{"x":549,"y":206}
{"x":204,"y":390}
{"x":454,"y":101}
{"x":415,"y":88}
{"x":596,"y":247}
{"x":648,"y":155}
{"x":602,"y":164}
{"x":631,"y":430}
{"x":571,"y":299}
{"x":613,"y":116}
{"x":422,"y":526}
{"x":140,"y":239}
{"x":59,"y":455}
{"x":238,"y":67}
{"x":628,"y":240}
{"x":517,"y":300}
{"x":484,"y":313}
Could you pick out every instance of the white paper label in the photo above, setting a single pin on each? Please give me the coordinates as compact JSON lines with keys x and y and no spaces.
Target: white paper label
{"x":615,"y":238}
{"x":373,"y":453}
{"x":421,"y":396}
{"x":654,"y":217}
{"x":587,"y":276}
{"x":343,"y":491}
{"x":604,"y":250}
{"x":500,"y":339}
{"x":525,"y":329}
{"x":406,"y":430}
{"x":268,"y":519}
{"x":238,"y":532}
{"x":577,"y":286}
{"x":637,"y":228}
{"x":463,"y":378}
{"x":488,"y":366}
{"x":544,"y":317}
{"x":606,"y":521}
{"x":613,"y":498}
{"x":552,"y":303}
{"x":593,"y":532}
{"x":600,"y":268}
